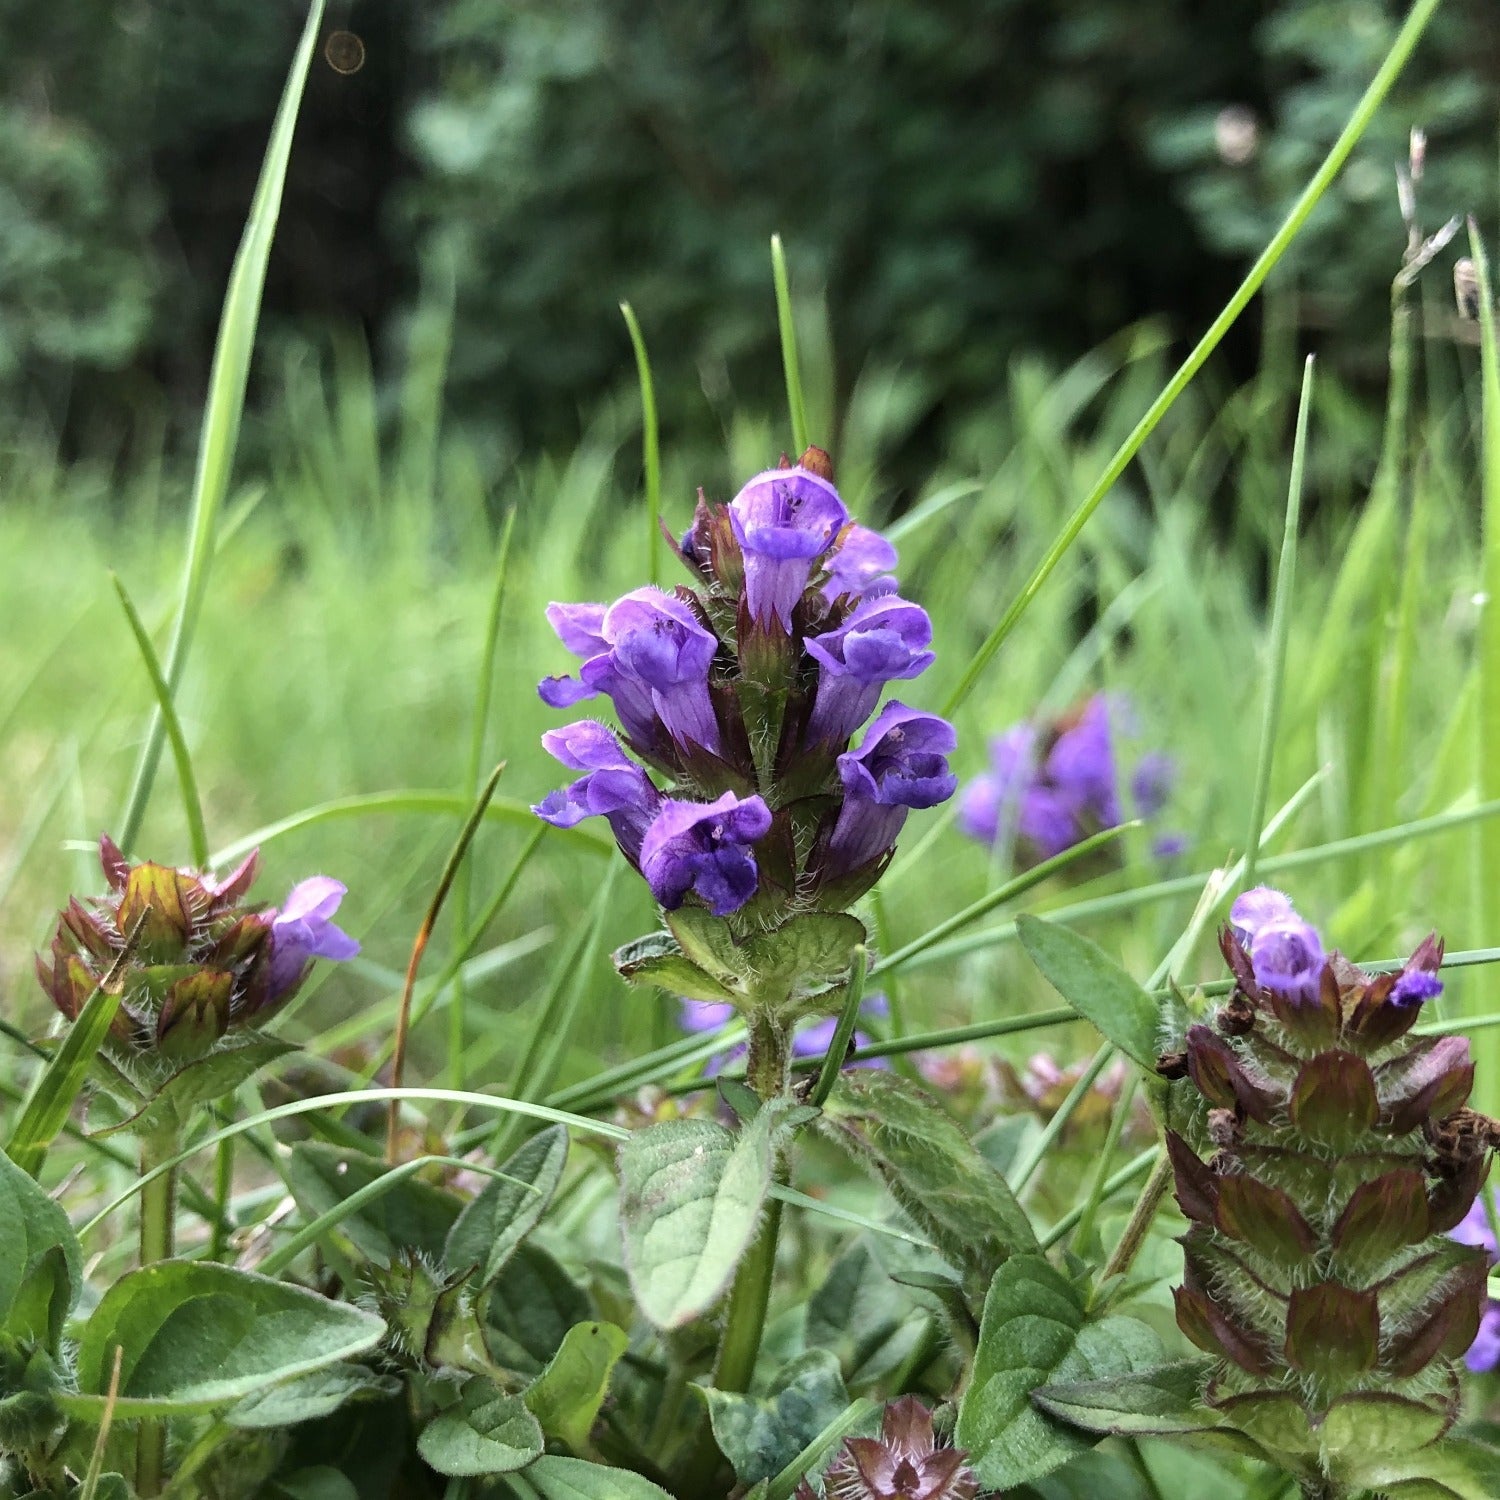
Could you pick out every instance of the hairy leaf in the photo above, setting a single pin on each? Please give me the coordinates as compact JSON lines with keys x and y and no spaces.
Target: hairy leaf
{"x":509,"y":1207}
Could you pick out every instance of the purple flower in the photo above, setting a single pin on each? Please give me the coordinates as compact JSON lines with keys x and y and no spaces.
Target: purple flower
{"x":1252,"y":910}
{"x":1151,"y":782}
{"x":1415,"y":986}
{"x":1474,"y":1229}
{"x":650,"y":655}
{"x":784,"y":521}
{"x":901,"y":764}
{"x":1081,"y":765}
{"x":883,"y":639}
{"x":704,"y":847}
{"x":997,"y":793}
{"x":811,"y":1041}
{"x":615,"y":788}
{"x":1287,"y":956}
{"x":859,"y":563}
{"x":303,"y":929}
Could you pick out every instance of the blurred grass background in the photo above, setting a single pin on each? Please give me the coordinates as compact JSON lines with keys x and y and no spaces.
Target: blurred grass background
{"x":441,"y":348}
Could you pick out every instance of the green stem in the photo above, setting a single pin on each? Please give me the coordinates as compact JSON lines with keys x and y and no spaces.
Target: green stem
{"x":750,"y":1295}
{"x":158,"y":1220}
{"x":1140,"y":1221}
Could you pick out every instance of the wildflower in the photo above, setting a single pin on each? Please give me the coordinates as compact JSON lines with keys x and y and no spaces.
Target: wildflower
{"x":745,"y":693}
{"x":200,"y":961}
{"x":1317,"y":1267}
{"x":809,"y":1041}
{"x":303,"y":929}
{"x":704,"y":848}
{"x":1051,"y":786}
{"x":901,"y":764}
{"x":904,"y":1463}
{"x":784,"y":521}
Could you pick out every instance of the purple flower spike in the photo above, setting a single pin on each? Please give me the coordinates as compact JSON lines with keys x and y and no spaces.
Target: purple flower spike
{"x":1254,"y":909}
{"x":859,"y":564}
{"x":1049,"y":821}
{"x":615,"y":788}
{"x":1081,"y":765}
{"x":901,"y":764}
{"x":1287,"y":956}
{"x":883,"y":639}
{"x":704,"y":847}
{"x":784,"y":521}
{"x":304,"y":930}
{"x":658,"y":641}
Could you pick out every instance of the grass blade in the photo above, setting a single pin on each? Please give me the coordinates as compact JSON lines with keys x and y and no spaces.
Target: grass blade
{"x":1401,"y":49}
{"x":787,"y":328}
{"x":1281,"y":626}
{"x":650,"y":446}
{"x":225,"y":405}
{"x":186,"y":781}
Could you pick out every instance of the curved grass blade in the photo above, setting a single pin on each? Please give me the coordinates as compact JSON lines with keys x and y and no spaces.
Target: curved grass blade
{"x":650,"y":445}
{"x":787,"y":328}
{"x":494,"y":1103}
{"x":228,"y":378}
{"x":500,"y":810}
{"x":1401,"y":49}
{"x":1281,"y":627}
{"x":192,"y":806}
{"x":419,"y":947}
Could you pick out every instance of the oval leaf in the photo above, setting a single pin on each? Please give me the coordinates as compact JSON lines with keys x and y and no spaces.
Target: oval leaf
{"x":573,"y":1479}
{"x":509,"y":1208}
{"x":198,"y":1335}
{"x":1035,"y":1331}
{"x":1096,"y":987}
{"x":487,"y":1432}
{"x":690,"y":1200}
{"x":565,"y":1398}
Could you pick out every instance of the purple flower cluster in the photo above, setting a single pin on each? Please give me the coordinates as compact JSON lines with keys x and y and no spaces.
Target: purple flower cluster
{"x":1049,"y":787}
{"x":744,"y":695}
{"x":1287,"y":958}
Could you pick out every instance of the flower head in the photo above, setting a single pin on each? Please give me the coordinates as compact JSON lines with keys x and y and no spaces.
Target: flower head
{"x":1049,"y":787}
{"x":704,"y":848}
{"x":1287,"y":956}
{"x":901,"y":764}
{"x":884,"y":638}
{"x":784,"y":521}
{"x":903,"y":1463}
{"x":304,"y":929}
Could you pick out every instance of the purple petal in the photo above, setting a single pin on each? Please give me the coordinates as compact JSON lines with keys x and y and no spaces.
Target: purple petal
{"x":580,"y":627}
{"x":316,"y":899}
{"x":1254,"y":909}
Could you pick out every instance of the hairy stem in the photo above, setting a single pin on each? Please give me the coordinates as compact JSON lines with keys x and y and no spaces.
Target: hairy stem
{"x":158,"y":1221}
{"x":1140,"y":1221}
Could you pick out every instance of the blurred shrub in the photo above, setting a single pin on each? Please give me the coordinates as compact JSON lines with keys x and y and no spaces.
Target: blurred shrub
{"x":956,"y":179}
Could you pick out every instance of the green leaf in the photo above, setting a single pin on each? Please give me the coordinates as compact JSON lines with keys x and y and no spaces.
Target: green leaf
{"x":760,"y":1436}
{"x":487,"y":1432}
{"x":1094,"y":1475}
{"x":708,"y":942}
{"x":565,"y":1398}
{"x":1458,"y":1469}
{"x":41,"y":1265}
{"x":197,"y":1335}
{"x":932,"y":1170}
{"x":813,"y":950}
{"x":860,"y":1315}
{"x":509,"y":1208}
{"x":412,"y":1215}
{"x":321,"y":1482}
{"x":1035,"y":1328}
{"x":658,"y":960}
{"x":208,"y":1079}
{"x":1096,"y":987}
{"x":690,"y":1201}
{"x":312,"y":1395}
{"x":1158,"y":1402}
{"x":531,"y":1308}
{"x":57,"y":1088}
{"x":573,"y":1479}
